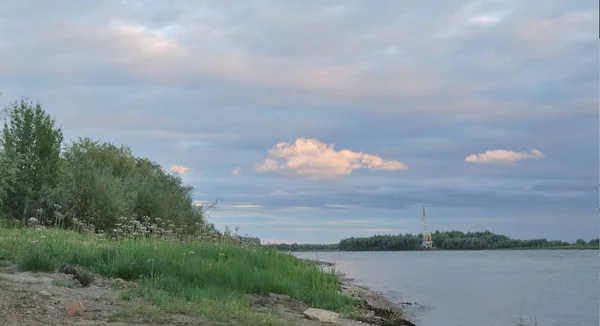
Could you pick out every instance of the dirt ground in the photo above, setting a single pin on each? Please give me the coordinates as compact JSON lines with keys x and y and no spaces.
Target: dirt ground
{"x":32,"y":299}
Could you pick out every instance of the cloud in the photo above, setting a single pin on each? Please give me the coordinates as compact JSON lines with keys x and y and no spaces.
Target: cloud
{"x":179,"y":169}
{"x":500,"y":156}
{"x":315,"y":161}
{"x":160,"y":79}
{"x":236,"y":171}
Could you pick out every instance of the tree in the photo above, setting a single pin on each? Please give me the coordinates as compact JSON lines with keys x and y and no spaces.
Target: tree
{"x":31,"y":142}
{"x":101,"y":183}
{"x":580,"y":242}
{"x":7,"y":177}
{"x":90,"y":189}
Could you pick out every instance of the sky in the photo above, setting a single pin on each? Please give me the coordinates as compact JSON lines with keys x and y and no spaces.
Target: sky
{"x":314,"y":121}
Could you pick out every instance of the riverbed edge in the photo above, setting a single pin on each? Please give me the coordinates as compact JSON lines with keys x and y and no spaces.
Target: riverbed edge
{"x":375,"y":309}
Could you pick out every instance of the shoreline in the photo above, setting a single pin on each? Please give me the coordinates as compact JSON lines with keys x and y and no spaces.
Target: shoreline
{"x":570,"y":248}
{"x":376,"y":308}
{"x":48,"y":293}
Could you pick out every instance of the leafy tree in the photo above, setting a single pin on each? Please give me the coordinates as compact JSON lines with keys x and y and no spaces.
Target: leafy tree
{"x":32,"y":143}
{"x":101,"y":182}
{"x":94,"y":183}
{"x":449,"y":240}
{"x":91,"y":188}
{"x":7,"y":177}
{"x":580,"y":242}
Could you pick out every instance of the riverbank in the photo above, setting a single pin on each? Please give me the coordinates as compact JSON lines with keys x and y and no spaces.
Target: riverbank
{"x":377,"y":309}
{"x":169,"y":282}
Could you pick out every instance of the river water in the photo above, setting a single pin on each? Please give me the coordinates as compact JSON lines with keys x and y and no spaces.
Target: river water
{"x":481,"y":288}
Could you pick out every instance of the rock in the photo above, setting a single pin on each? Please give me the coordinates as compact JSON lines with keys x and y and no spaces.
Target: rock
{"x":45,"y":294}
{"x":70,"y":269}
{"x":75,"y":309}
{"x":323,"y":316}
{"x":85,"y":278}
{"x":78,"y":273}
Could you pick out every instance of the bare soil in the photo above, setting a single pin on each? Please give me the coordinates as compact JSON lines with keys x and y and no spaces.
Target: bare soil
{"x":32,"y":299}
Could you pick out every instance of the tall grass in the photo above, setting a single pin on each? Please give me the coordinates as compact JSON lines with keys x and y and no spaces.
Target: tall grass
{"x":180,"y":275}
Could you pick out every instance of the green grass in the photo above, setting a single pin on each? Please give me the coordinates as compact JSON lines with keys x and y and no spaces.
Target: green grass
{"x":213,"y":280}
{"x":65,"y":283}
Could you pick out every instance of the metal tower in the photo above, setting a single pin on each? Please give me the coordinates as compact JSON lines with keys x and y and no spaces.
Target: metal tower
{"x":427,"y":242}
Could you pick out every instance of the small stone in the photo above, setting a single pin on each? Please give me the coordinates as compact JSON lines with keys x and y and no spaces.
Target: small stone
{"x":45,"y":294}
{"x":75,"y":309}
{"x":323,"y":316}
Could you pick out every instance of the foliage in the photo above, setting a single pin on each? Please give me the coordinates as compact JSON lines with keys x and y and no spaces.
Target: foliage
{"x":7,"y":177}
{"x":448,"y":240}
{"x":87,"y":182}
{"x":31,"y":142}
{"x":101,"y":183}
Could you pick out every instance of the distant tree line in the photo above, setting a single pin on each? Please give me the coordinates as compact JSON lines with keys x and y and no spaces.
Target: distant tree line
{"x":85,"y":181}
{"x":446,"y":240}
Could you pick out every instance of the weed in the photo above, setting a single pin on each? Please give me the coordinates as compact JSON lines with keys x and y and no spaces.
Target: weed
{"x":36,"y":259}
{"x":65,"y":283}
{"x":126,"y":295}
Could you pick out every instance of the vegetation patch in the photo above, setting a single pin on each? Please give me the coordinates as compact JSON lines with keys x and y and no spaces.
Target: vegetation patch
{"x":65,"y":283}
{"x":96,"y":205}
{"x":446,"y":240}
{"x":214,"y":280}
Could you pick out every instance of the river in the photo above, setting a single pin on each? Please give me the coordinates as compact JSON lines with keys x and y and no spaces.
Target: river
{"x":481,"y":288}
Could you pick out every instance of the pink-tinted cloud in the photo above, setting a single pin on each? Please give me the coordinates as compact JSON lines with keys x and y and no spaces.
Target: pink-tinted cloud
{"x":236,"y":171}
{"x":314,"y":160}
{"x":179,"y":169}
{"x":501,"y":156}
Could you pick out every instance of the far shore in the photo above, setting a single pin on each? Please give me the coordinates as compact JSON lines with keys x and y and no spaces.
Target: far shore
{"x":437,"y":249}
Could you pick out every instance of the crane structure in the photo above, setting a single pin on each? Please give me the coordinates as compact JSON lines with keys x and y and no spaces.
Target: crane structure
{"x":427,"y":241}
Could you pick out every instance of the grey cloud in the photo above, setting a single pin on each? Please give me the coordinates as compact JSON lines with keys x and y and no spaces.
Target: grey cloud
{"x":275,"y":18}
{"x":214,"y":85}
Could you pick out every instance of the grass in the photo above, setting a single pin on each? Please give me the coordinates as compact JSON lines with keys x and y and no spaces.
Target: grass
{"x":200,"y":279}
{"x":64,"y":283}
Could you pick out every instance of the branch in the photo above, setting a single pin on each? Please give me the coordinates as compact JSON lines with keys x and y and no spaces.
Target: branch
{"x":5,"y":111}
